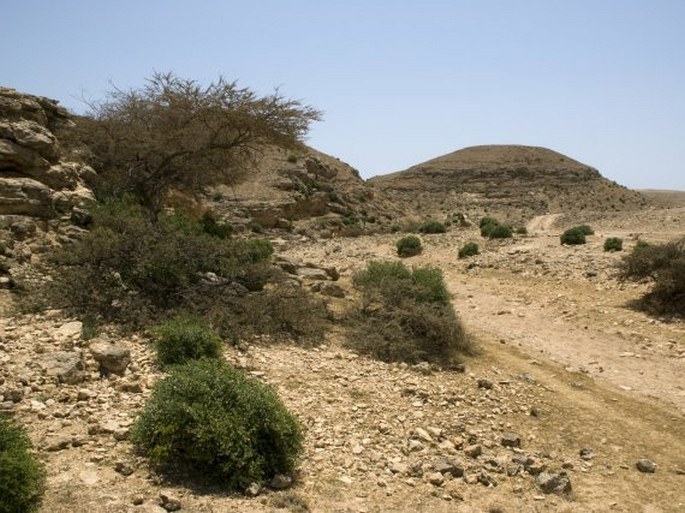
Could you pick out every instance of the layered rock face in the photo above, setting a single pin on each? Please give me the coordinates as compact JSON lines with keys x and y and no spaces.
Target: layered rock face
{"x":36,"y":179}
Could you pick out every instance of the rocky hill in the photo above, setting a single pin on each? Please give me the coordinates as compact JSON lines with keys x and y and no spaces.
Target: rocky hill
{"x":516,"y":182}
{"x":307,"y":188}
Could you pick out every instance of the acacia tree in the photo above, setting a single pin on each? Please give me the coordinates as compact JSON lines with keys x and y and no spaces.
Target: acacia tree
{"x":173,"y":132}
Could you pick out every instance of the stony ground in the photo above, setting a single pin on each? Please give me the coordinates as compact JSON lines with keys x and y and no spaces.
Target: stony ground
{"x":571,"y":386}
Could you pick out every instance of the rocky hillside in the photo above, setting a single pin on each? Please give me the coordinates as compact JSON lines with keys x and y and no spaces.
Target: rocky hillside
{"x":304,"y":188}
{"x":516,"y":182}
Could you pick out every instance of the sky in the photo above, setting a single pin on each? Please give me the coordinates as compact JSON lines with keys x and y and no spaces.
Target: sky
{"x":399,"y":82}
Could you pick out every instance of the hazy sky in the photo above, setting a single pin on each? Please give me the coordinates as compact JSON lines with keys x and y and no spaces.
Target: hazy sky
{"x":400,"y":82}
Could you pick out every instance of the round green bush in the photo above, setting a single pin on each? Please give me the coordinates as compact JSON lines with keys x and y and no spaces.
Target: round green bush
{"x":522,"y":230}
{"x":586,"y":229}
{"x":214,"y":421}
{"x":613,"y":244}
{"x":500,"y":231}
{"x":573,"y":236}
{"x":432,"y":226}
{"x":184,"y":338}
{"x":469,"y":249}
{"x":22,"y":478}
{"x":409,"y":246}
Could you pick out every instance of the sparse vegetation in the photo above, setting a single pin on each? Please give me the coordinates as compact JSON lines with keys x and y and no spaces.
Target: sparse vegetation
{"x":522,"y":230}
{"x":406,"y":315}
{"x":22,"y":477}
{"x":432,"y":226}
{"x":216,"y":422}
{"x":613,"y":244}
{"x":469,"y":249}
{"x":493,"y":229}
{"x":573,"y":236}
{"x":586,"y":229}
{"x":664,"y":264}
{"x":185,"y":338}
{"x":409,"y":246}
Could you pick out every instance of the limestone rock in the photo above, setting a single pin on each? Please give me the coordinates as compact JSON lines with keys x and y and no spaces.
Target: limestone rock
{"x":113,"y":358}
{"x":66,"y":366}
{"x":559,"y":484}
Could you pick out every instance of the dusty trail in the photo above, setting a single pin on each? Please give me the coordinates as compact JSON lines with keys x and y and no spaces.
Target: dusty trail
{"x":542,"y":223}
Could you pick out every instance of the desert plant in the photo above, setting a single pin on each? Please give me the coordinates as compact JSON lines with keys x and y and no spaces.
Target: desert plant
{"x":406,"y":315}
{"x":22,"y":477}
{"x":409,"y":246}
{"x":487,"y":224}
{"x":522,"y":230}
{"x":213,"y":420}
{"x":469,"y":249}
{"x":586,"y":229}
{"x":183,"y":338}
{"x":500,"y":231}
{"x":432,"y":226}
{"x":131,"y":266}
{"x":573,"y":236}
{"x":664,"y":264}
{"x":613,"y":244}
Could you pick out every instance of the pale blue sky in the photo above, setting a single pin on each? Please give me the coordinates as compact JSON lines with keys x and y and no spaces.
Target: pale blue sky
{"x":602,"y":81}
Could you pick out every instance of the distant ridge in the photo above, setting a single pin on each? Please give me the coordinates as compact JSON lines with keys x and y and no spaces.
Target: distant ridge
{"x":510,"y":180}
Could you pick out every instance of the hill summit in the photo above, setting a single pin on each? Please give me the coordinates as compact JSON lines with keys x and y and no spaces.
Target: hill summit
{"x":510,"y":180}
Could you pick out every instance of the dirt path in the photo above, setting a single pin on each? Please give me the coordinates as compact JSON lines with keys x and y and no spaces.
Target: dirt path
{"x":542,"y":223}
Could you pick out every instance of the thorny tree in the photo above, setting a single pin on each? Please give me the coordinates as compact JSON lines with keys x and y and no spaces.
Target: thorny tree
{"x":175,"y":133}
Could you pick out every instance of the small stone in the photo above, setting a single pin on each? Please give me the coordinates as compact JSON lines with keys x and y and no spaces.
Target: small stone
{"x":646,"y":466}
{"x":168,"y":502}
{"x":66,"y":366}
{"x":253,"y":490}
{"x":58,"y":444}
{"x":559,"y":484}
{"x":586,"y":454}
{"x":281,"y":482}
{"x":446,"y":466}
{"x":69,"y":330}
{"x":14,"y":395}
{"x":398,"y":468}
{"x":435,"y":478}
{"x":473,"y":451}
{"x":422,"y":434}
{"x":137,"y":499}
{"x":123,"y":468}
{"x":485,"y":383}
{"x":511,"y":440}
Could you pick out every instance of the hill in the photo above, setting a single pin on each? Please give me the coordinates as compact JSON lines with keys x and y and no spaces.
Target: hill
{"x":516,"y":182}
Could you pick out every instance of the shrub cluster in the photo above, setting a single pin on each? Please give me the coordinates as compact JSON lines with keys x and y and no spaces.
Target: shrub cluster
{"x":573,"y":236}
{"x":22,"y":477}
{"x":493,"y":229}
{"x":613,"y":244}
{"x":432,"y":226}
{"x":664,"y":264}
{"x":209,"y":418}
{"x":409,"y":246}
{"x":183,"y":338}
{"x":131,"y":267}
{"x":469,"y":249}
{"x":406,"y":315}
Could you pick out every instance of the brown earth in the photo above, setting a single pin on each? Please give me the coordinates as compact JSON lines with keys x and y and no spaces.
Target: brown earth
{"x":571,"y":366}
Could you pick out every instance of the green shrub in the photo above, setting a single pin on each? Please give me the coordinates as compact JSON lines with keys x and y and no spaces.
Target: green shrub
{"x":664,"y":264}
{"x":522,"y":230}
{"x":185,"y":338}
{"x":132,"y":267}
{"x":613,"y":244}
{"x":573,"y":236}
{"x":292,"y":158}
{"x":216,"y":228}
{"x":256,"y":227}
{"x":22,"y":477}
{"x":432,"y":226}
{"x":500,"y":231}
{"x":586,"y":229}
{"x":487,"y":220}
{"x":469,"y":249}
{"x":210,"y":419}
{"x":406,"y":315}
{"x":409,"y":246}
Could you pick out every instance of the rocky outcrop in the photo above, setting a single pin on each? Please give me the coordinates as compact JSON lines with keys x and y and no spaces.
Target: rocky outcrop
{"x":35,"y":178}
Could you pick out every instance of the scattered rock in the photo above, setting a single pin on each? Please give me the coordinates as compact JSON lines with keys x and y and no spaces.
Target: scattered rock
{"x":169,"y":502}
{"x":435,"y":478}
{"x":586,"y":454}
{"x":253,"y":490}
{"x":559,"y":484}
{"x":123,"y":468}
{"x":485,"y":383}
{"x":646,"y":466}
{"x":281,"y":482}
{"x":511,"y":440}
{"x":113,"y":358}
{"x":473,"y":451}
{"x":66,"y":366}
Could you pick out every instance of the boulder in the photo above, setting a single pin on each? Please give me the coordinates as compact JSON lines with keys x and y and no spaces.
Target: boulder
{"x":65,"y":366}
{"x":113,"y":358}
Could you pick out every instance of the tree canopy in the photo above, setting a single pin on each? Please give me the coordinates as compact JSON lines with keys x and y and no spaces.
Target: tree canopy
{"x":173,"y":132}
